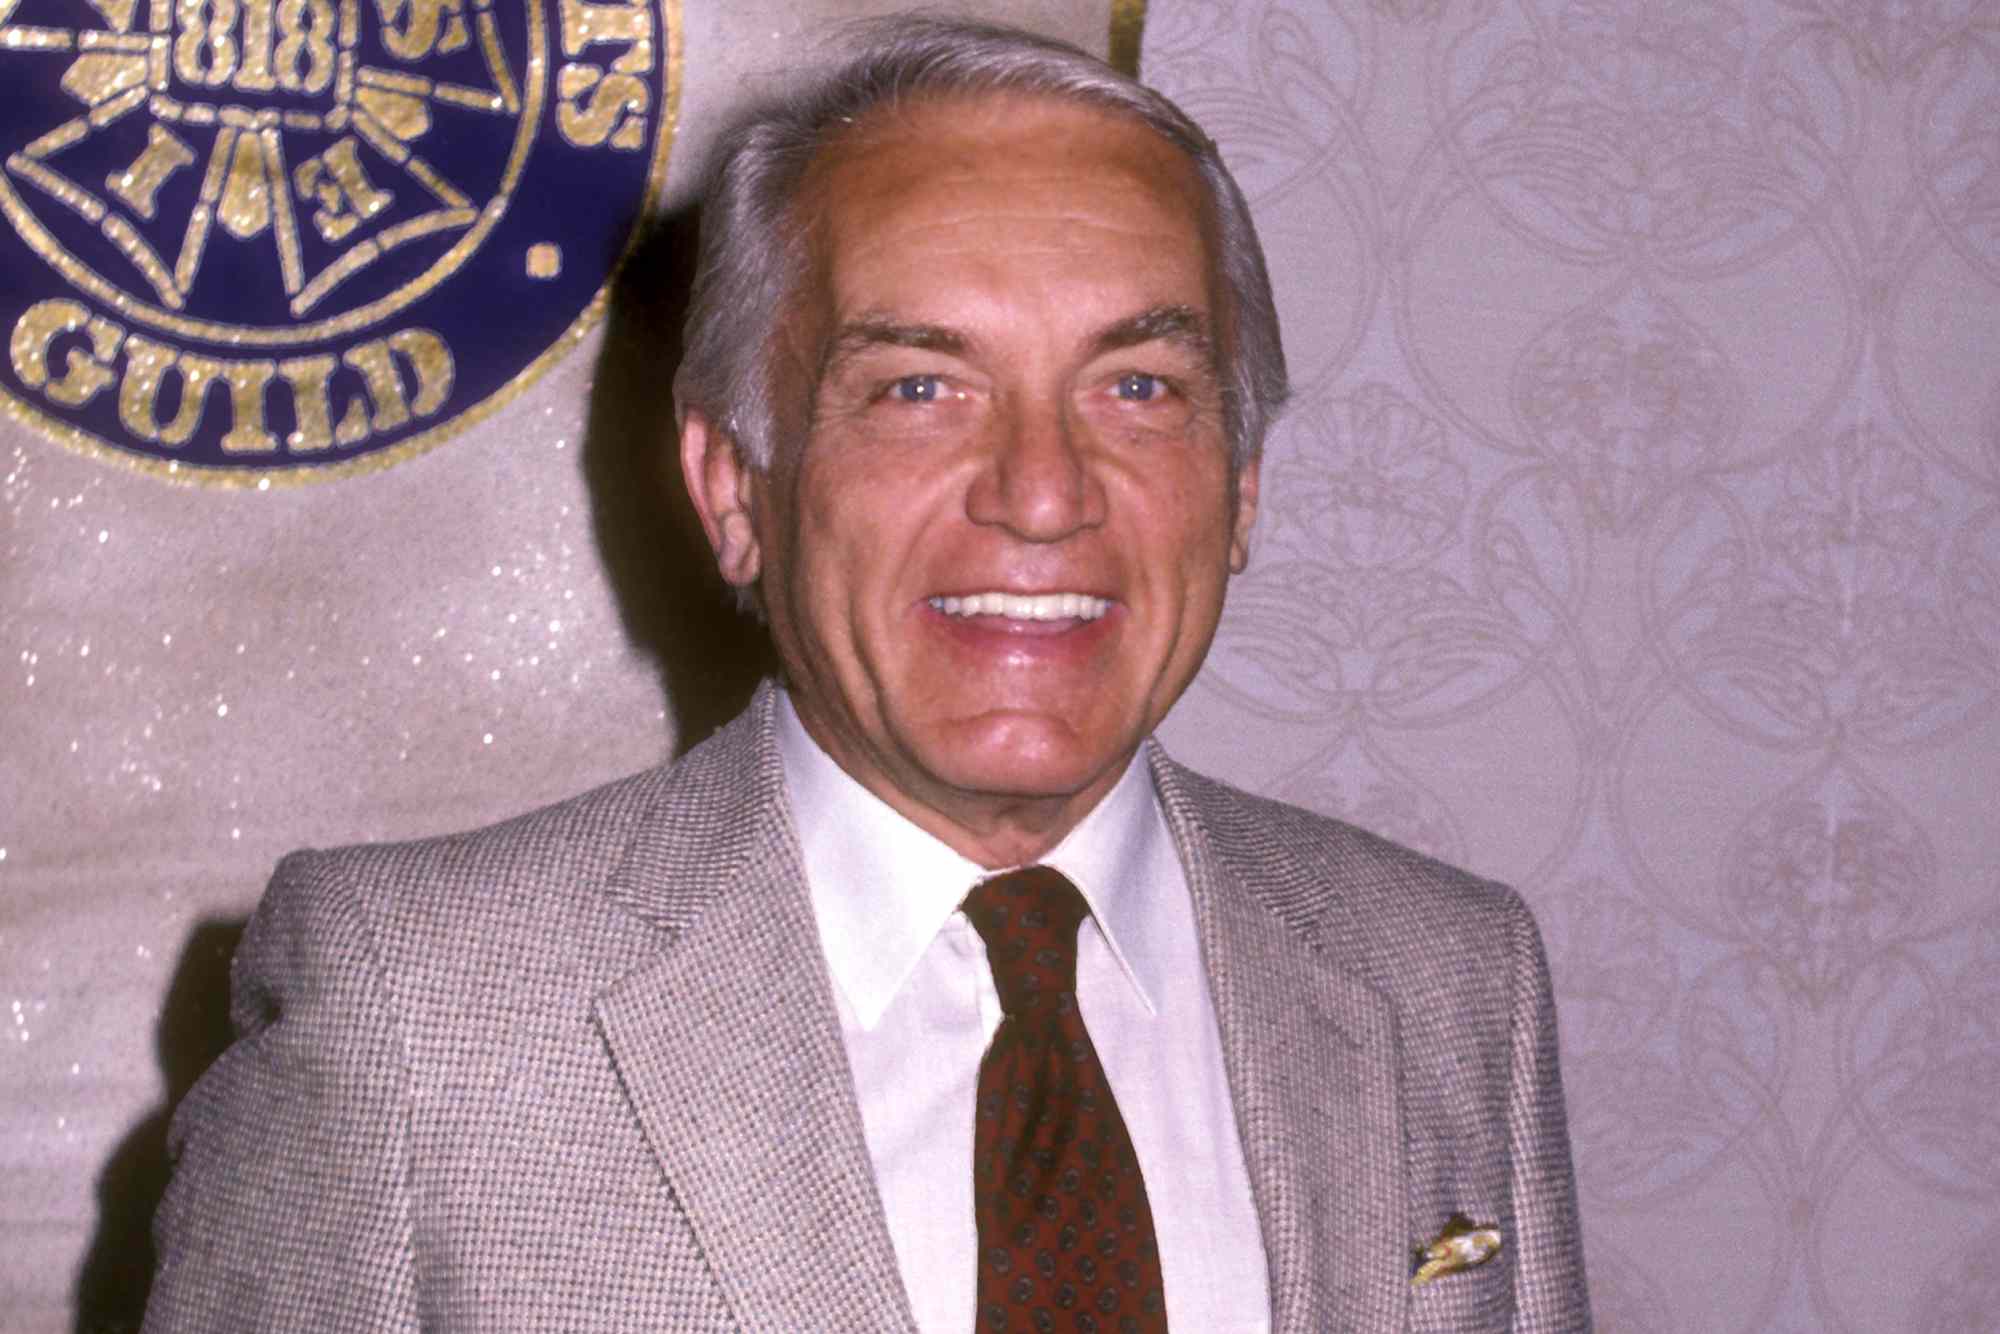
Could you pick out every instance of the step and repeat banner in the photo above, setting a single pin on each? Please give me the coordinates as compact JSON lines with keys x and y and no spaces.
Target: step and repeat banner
{"x":1634,"y":537}
{"x":336,"y":494}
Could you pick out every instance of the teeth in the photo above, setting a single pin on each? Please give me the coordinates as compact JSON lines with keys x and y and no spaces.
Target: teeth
{"x":1025,"y":607}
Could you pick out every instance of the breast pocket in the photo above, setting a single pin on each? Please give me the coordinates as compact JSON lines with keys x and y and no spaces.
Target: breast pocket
{"x":1468,"y":1301}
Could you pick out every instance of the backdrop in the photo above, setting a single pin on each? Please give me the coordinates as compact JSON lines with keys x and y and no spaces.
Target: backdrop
{"x":1635,"y":538}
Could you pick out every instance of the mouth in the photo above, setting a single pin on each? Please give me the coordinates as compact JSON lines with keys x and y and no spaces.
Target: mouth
{"x":1024,"y":606}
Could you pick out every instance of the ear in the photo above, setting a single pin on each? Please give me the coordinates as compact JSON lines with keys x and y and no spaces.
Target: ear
{"x":1246,"y":515}
{"x":722,"y":486}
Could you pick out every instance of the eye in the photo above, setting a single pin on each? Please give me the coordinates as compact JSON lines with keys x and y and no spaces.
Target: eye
{"x":1139,"y":387}
{"x":917,"y":389}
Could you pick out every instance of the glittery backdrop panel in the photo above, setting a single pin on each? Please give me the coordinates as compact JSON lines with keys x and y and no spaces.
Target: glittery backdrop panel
{"x":196,"y":678}
{"x":196,"y":681}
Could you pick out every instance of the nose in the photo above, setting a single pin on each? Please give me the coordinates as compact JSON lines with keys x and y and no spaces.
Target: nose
{"x":1037,"y":480}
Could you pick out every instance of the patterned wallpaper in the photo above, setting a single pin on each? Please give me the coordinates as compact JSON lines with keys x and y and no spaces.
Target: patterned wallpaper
{"x":1635,"y":537}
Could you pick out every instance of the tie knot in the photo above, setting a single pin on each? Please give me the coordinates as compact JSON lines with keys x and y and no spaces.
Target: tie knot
{"x":1028,"y":919}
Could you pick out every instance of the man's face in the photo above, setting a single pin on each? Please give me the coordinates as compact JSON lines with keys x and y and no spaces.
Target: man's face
{"x":999,"y":555}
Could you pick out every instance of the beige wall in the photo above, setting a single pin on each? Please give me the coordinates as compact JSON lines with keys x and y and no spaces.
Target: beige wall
{"x":1635,"y":538}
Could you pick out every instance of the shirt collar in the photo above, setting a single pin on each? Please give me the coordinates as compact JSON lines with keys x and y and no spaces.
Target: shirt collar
{"x":882,"y":888}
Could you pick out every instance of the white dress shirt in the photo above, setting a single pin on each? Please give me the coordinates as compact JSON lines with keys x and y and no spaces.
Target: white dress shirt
{"x":917,"y":1008}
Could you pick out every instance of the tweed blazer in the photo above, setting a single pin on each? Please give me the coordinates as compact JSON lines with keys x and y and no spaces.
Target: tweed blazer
{"x":582,"y":1071}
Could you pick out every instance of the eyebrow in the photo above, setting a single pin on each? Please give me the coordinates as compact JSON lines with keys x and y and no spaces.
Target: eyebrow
{"x":1181,"y":325}
{"x":864,"y":334}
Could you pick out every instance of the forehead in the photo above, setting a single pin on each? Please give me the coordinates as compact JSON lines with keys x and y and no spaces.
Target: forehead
{"x":1004,"y":181}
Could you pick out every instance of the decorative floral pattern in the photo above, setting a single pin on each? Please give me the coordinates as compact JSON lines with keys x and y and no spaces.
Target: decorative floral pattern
{"x":1895,"y":40}
{"x":1823,"y":875}
{"x":1923,"y":1058}
{"x":1829,"y":620}
{"x":1655,"y":477}
{"x":1958,"y":147}
{"x":1630,"y":400}
{"x":1376,"y":488}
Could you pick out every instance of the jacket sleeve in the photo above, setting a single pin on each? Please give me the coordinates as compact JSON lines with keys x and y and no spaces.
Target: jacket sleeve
{"x":289,"y":1204}
{"x":1549,"y":1296}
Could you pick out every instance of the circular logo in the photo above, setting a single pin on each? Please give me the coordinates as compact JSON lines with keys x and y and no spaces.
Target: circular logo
{"x":258,"y":239}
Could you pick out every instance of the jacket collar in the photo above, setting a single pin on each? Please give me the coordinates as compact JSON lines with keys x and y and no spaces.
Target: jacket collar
{"x":728,"y":1046}
{"x":882,"y":888}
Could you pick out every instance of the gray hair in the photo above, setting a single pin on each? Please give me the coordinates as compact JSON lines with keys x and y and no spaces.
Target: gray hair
{"x":751,"y":255}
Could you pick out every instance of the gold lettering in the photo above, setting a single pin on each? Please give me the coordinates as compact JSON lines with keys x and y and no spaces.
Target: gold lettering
{"x":254,"y":74}
{"x":35,"y":330}
{"x":616,"y":109}
{"x":406,"y":376}
{"x":385,"y":387}
{"x":84,"y":377}
{"x":85,"y":374}
{"x":431,"y":360}
{"x":336,"y":182}
{"x":139,"y":184}
{"x":284,"y":44}
{"x":585,"y":24}
{"x":247,"y":433}
{"x":205,"y":51}
{"x":411,"y":28}
{"x":353,"y":428}
{"x":147,"y":364}
{"x":311,"y":402}
{"x":428,"y":358}
{"x":305,"y":51}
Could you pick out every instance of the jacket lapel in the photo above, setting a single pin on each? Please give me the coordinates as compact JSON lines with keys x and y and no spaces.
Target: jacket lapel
{"x":1311,"y":1051}
{"x":727,"y":1043}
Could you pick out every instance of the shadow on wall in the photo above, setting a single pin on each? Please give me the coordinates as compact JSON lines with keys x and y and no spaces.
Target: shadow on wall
{"x":193,"y":1029}
{"x":674,"y":606}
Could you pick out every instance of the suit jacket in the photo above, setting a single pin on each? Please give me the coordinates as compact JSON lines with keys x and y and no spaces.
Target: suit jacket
{"x":583,"y":1071}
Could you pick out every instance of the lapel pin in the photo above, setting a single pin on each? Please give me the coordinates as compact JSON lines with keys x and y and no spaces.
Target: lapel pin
{"x":1463,"y":1244}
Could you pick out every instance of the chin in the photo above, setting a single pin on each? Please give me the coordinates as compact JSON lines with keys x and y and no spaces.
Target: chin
{"x":1022,"y":757}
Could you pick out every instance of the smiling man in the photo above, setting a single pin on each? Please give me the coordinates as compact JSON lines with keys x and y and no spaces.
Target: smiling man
{"x":929,"y":994}
{"x":996,"y":556}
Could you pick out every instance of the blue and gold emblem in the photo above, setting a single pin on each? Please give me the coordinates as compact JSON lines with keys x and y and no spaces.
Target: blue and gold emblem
{"x":249,"y":240}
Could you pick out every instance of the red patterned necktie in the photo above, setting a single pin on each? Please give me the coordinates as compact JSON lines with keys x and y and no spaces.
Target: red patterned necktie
{"x":1065,"y":1235}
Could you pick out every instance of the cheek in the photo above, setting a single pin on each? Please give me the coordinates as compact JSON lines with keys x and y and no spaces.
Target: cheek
{"x":1194,"y":520}
{"x":848,"y":553}
{"x":1206,"y":558}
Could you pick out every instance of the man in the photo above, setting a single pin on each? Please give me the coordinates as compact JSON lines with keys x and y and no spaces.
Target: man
{"x":980,"y":359}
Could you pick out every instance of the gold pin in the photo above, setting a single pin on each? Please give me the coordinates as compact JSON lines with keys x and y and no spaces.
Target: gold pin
{"x":1463,"y":1244}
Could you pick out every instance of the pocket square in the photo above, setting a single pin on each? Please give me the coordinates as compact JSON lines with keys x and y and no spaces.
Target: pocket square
{"x":1463,"y":1244}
